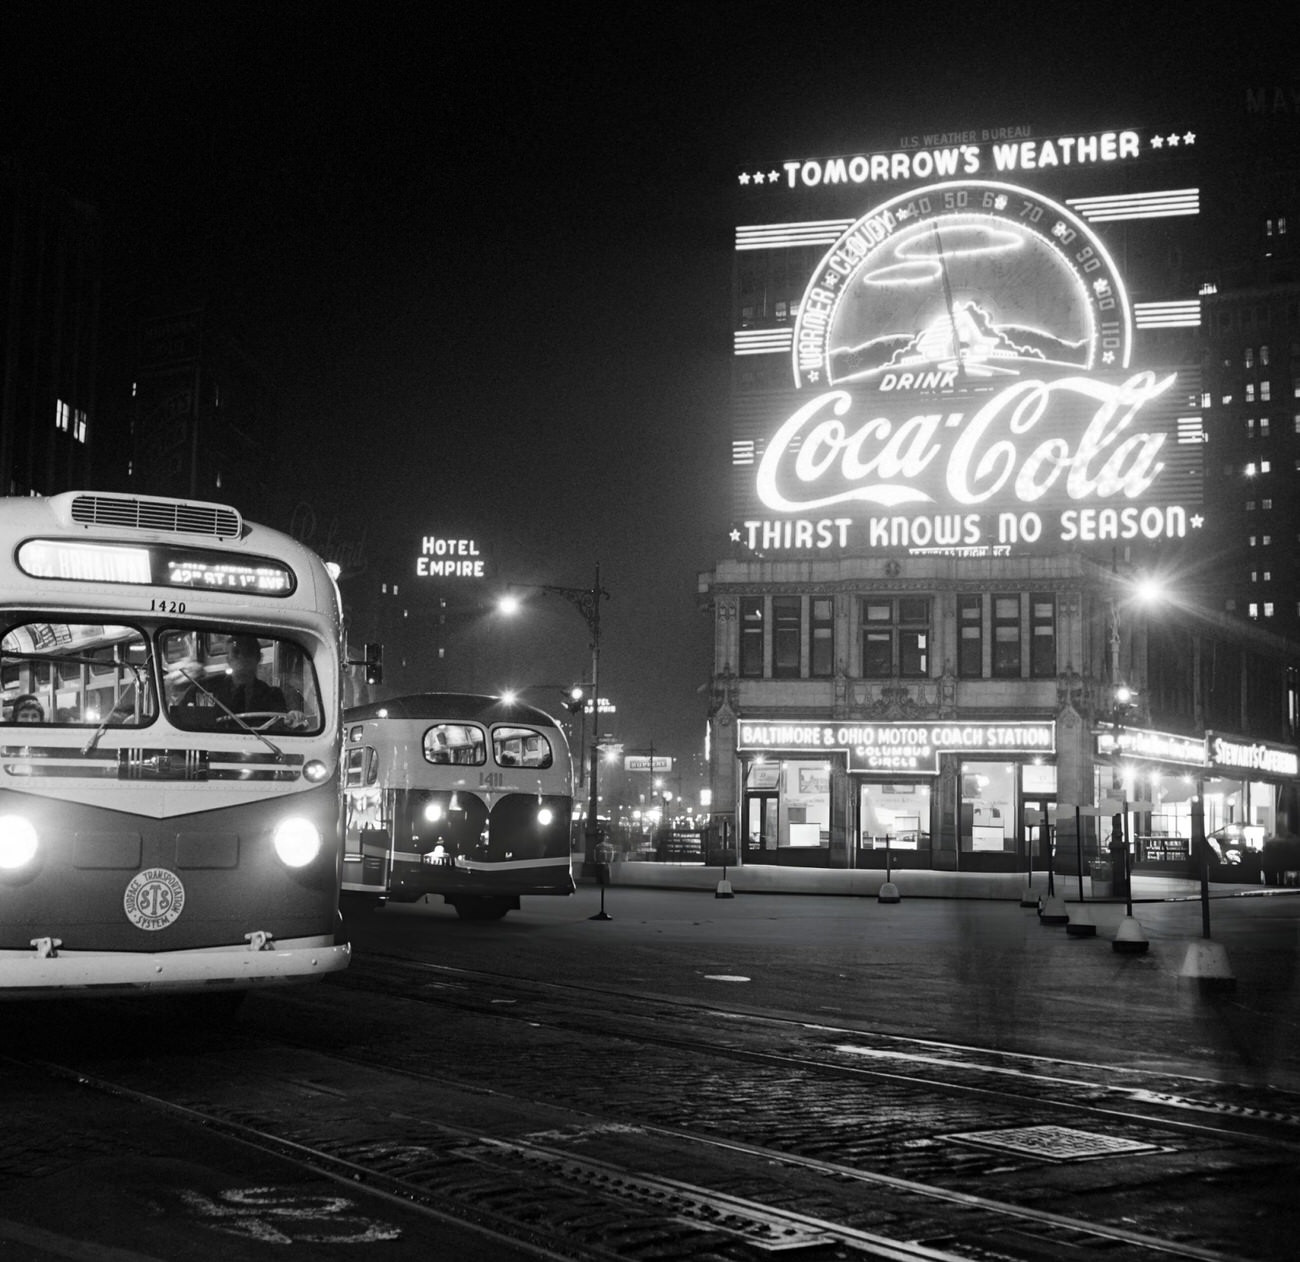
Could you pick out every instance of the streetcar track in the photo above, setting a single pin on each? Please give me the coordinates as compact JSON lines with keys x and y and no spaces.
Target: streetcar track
{"x":677,"y":1197}
{"x":686,"y":1207}
{"x":1159,"y":1101}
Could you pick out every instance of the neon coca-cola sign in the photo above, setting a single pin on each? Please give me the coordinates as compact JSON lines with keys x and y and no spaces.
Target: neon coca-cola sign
{"x":964,"y":353}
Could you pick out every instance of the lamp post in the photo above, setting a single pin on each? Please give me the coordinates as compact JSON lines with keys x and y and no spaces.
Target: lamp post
{"x":586,"y":600}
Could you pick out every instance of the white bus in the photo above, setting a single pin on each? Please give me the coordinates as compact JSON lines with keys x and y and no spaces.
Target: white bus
{"x":459,"y":795}
{"x":170,"y":800}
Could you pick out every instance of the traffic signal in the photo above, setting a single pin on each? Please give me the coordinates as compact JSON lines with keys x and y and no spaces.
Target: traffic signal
{"x":576,"y":699}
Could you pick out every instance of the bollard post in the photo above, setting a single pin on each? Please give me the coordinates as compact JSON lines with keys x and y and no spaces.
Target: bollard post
{"x":888,"y":892}
{"x":603,"y":856}
{"x":1206,"y":962}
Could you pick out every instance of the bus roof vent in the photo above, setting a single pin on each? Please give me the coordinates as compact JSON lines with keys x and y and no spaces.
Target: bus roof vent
{"x":145,"y":512}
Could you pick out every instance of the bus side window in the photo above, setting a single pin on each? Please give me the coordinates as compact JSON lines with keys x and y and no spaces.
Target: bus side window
{"x":354,"y":768}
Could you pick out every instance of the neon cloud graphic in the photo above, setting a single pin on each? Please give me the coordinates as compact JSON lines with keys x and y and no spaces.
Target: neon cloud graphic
{"x":962,"y":283}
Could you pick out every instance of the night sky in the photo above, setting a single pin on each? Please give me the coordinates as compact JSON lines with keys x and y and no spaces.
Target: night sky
{"x":483,"y":251}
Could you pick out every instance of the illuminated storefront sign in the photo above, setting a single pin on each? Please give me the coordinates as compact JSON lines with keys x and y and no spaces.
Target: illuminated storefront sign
{"x":965,"y":375}
{"x":898,"y":747}
{"x":442,"y":557}
{"x":1228,"y":755}
{"x":1153,"y":746}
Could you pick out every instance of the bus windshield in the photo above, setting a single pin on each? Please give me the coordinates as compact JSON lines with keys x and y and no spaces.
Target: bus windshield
{"x":223,"y":682}
{"x":108,"y":676}
{"x":77,"y":673}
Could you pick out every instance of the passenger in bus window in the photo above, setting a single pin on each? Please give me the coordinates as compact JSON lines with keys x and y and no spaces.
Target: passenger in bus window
{"x":28,"y":710}
{"x":438,"y":750}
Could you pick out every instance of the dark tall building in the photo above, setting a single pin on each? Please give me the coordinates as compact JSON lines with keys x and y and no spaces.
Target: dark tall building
{"x":1250,"y":336}
{"x":200,"y":411}
{"x":50,"y":276}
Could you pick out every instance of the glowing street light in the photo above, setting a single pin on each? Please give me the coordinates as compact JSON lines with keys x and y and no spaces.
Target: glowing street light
{"x":586,"y":600}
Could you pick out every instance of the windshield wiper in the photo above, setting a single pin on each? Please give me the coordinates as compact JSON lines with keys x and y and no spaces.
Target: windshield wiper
{"x":133,"y":690}
{"x":212,"y":696}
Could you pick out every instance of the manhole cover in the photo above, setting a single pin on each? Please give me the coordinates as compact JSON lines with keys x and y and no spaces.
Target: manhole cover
{"x":1054,"y":1143}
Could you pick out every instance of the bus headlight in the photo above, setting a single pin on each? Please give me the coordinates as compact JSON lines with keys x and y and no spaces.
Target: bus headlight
{"x":433,"y":812}
{"x":297,"y":842}
{"x":544,"y":816}
{"x":18,"y":842}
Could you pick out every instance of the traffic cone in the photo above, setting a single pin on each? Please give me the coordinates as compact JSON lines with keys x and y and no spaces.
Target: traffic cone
{"x":1053,"y":911}
{"x":1081,"y":924}
{"x":1206,"y":964}
{"x":889,"y":893}
{"x":1129,"y":938}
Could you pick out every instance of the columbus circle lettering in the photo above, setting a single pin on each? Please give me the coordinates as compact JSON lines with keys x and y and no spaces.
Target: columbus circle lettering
{"x":154,"y":899}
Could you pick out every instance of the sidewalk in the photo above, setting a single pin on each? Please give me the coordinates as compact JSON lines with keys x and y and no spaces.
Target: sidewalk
{"x":910,"y":883}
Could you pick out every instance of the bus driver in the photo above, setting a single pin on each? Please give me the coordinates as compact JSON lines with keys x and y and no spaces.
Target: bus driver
{"x":241,"y":690}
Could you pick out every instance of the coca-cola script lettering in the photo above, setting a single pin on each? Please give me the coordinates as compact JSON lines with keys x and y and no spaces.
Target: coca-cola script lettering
{"x":1071,"y":439}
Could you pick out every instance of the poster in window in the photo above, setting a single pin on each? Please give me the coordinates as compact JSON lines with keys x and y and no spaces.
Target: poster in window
{"x":814,"y":780}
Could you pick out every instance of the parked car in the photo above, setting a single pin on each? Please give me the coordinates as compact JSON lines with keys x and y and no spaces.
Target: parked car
{"x":1281,"y":861}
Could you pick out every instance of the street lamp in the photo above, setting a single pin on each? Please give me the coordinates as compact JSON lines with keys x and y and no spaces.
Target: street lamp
{"x":586,"y":600}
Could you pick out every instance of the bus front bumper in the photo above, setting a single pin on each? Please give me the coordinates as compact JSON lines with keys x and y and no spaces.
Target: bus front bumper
{"x":46,"y":972}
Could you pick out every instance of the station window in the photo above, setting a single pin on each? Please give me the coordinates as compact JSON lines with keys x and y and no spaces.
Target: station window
{"x":896,"y":637}
{"x":1042,"y":635}
{"x":751,"y":636}
{"x":970,"y":636}
{"x":822,"y":659}
{"x":1006,"y":636}
{"x":785,"y":636}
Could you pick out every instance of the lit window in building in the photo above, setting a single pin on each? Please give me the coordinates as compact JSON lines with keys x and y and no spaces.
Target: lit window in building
{"x":1265,"y":466}
{"x":1006,"y":636}
{"x":1249,"y":358}
{"x":1268,"y":609}
{"x":70,"y":420}
{"x":1227,"y":398}
{"x":1254,"y":576}
{"x":1265,"y":392}
{"x":751,"y":637}
{"x":1254,"y":610}
{"x":786,"y":640}
{"x":1042,"y":635}
{"x":970,"y":636}
{"x":1250,"y":506}
{"x":1250,"y":469}
{"x":1263,"y":356}
{"x":1250,"y":392}
{"x":896,"y":637}
{"x":1207,"y":399}
{"x":821,"y":662}
{"x":1267,"y":540}
{"x":1263,"y":426}
{"x":1266,"y":504}
{"x":1250,"y":427}
{"x":1252,"y":541}
{"x":782,"y":311}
